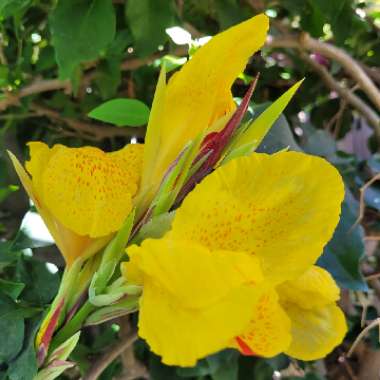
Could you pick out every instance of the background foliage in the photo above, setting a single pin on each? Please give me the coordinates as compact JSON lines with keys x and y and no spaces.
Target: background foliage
{"x":61,"y":59}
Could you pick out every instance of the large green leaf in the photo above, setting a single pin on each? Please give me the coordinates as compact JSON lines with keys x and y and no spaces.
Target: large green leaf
{"x":41,"y":283}
{"x":11,"y":288}
{"x":148,"y":20}
{"x":122,"y":112}
{"x":24,"y":366}
{"x":11,"y":329}
{"x":342,"y":255}
{"x":81,"y":30}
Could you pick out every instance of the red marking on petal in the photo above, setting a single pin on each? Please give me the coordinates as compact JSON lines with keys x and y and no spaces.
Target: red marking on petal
{"x":244,"y":348}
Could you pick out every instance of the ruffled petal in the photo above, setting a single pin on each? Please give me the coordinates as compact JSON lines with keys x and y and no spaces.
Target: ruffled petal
{"x":182,"y":335}
{"x":315,"y":332}
{"x":283,"y":208}
{"x":193,"y":274}
{"x":315,"y":288}
{"x":194,"y":301}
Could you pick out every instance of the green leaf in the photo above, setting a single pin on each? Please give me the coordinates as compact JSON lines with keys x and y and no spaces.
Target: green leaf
{"x":24,"y":367}
{"x":81,"y":30}
{"x":342,"y":255}
{"x":11,"y":7}
{"x":11,"y":329}
{"x":7,"y":256}
{"x":11,"y":288}
{"x":122,"y":112}
{"x":108,"y":77}
{"x":148,"y":20}
{"x":41,"y":283}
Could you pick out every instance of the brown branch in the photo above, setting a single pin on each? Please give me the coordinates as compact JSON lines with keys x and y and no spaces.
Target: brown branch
{"x":36,"y":87}
{"x":372,"y":72}
{"x":91,"y":131}
{"x":350,"y":65}
{"x":104,"y":361}
{"x":46,"y":85}
{"x":366,"y":111}
{"x":362,"y":190}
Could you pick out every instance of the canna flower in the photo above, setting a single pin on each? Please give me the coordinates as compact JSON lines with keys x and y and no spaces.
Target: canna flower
{"x":197,"y":98}
{"x":83,"y":194}
{"x":237,"y":267}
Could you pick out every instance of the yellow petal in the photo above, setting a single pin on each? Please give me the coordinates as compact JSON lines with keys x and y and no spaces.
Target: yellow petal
{"x":194,"y":301}
{"x":68,"y":242}
{"x":131,"y":159}
{"x":315,"y":332}
{"x":283,"y":208}
{"x":153,"y":138}
{"x":184,"y":335}
{"x":174,"y":264}
{"x":88,"y":191}
{"x":315,"y":288}
{"x":268,"y":332}
{"x":45,"y":214}
{"x":200,"y":93}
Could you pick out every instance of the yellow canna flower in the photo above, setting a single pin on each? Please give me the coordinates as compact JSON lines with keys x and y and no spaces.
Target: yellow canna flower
{"x":195,"y":300}
{"x":280,"y":210}
{"x":82,"y":194}
{"x":197,"y":97}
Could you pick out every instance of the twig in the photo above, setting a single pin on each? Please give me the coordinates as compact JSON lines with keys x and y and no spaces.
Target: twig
{"x":35,"y":87}
{"x":91,"y":131}
{"x":361,"y":201}
{"x":350,"y":65}
{"x":372,"y":72}
{"x":342,"y":360}
{"x":104,"y":361}
{"x":46,"y":85}
{"x":372,"y":238}
{"x":3,"y":58}
{"x":371,"y":277}
{"x":374,"y":323}
{"x":366,"y":111}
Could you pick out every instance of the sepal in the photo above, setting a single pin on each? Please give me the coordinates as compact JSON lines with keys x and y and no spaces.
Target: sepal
{"x":56,"y":362}
{"x":114,"y":293}
{"x":119,"y":309}
{"x":110,"y":259}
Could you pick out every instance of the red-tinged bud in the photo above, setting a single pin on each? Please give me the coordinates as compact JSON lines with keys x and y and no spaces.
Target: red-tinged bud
{"x":214,"y":143}
{"x":45,"y":339}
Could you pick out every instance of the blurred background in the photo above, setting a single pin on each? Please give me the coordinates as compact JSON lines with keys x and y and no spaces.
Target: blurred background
{"x":61,"y":59}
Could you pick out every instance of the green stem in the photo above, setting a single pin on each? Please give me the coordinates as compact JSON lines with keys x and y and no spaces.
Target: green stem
{"x":73,"y":325}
